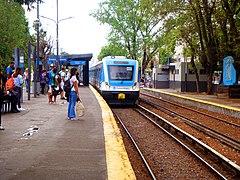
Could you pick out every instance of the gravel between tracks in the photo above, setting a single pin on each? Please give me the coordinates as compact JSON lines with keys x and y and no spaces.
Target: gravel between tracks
{"x":167,"y":159}
{"x":230,"y":153}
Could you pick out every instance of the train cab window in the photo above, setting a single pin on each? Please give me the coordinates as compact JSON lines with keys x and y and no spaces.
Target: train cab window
{"x":121,"y":72}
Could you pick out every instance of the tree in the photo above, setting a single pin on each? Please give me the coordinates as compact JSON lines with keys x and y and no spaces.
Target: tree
{"x":150,"y":18}
{"x":45,"y":47}
{"x":28,"y":3}
{"x":208,"y":29}
{"x":135,"y":26}
{"x":121,"y":16}
{"x":229,"y":20}
{"x":14,"y":30}
{"x":216,"y":39}
{"x":112,"y":50}
{"x":185,"y":33}
{"x":167,"y":45}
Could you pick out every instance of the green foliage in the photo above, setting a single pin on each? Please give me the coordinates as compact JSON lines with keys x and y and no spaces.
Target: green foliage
{"x":112,"y":50}
{"x":207,"y":30}
{"x":120,"y":15}
{"x":14,"y":30}
{"x":167,"y":46}
{"x":135,"y":26}
{"x":29,"y":3}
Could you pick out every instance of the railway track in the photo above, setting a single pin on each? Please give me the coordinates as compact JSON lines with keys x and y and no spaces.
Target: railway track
{"x":137,"y":148}
{"x":215,"y":127}
{"x":175,"y":133}
{"x":193,"y":110}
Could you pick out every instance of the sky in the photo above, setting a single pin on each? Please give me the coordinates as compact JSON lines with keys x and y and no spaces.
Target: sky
{"x":81,"y":34}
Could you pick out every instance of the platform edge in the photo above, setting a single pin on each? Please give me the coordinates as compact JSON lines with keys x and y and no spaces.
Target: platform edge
{"x":118,"y":163}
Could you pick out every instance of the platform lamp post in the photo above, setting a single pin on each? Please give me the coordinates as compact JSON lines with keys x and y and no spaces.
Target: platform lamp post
{"x":57,"y":39}
{"x":36,"y":60}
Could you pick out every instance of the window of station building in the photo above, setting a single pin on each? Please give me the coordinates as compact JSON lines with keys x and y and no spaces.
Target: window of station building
{"x":202,"y":71}
{"x":176,"y":71}
{"x":190,"y":71}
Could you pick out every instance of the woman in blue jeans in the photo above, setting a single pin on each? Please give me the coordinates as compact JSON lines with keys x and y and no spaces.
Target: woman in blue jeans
{"x":73,"y":94}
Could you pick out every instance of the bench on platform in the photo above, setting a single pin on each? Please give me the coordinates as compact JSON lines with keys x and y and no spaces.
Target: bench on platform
{"x":6,"y":106}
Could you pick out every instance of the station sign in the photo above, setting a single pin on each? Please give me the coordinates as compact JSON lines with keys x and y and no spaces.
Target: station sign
{"x":75,"y":63}
{"x":51,"y":60}
{"x":21,"y":59}
{"x":63,"y":60}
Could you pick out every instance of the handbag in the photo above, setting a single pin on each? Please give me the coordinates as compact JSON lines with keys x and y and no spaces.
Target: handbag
{"x":79,"y":108}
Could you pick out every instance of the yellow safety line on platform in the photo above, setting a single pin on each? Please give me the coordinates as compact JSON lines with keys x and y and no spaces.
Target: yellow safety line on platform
{"x":199,"y":100}
{"x":118,"y":164}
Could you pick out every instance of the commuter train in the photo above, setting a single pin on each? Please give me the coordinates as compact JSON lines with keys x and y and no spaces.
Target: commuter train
{"x":116,"y":79}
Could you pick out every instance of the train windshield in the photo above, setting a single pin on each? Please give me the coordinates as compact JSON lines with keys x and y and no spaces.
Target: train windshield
{"x":121,"y":73}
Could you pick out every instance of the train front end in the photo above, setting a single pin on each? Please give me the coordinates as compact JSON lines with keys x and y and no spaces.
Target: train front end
{"x":121,"y":81}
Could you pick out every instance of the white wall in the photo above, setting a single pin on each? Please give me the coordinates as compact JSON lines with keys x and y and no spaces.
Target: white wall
{"x":180,"y":73}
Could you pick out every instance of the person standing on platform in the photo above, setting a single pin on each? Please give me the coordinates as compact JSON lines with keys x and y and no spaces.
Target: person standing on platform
{"x":62,"y":74}
{"x":18,"y":82}
{"x":55,"y":85}
{"x":9,"y":69}
{"x":43,"y":81}
{"x":25,"y":78}
{"x":73,"y":95}
{"x":49,"y":81}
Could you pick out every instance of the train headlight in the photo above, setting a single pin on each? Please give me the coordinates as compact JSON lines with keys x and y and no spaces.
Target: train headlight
{"x":107,"y":85}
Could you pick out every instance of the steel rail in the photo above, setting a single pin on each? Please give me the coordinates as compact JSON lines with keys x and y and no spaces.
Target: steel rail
{"x":136,"y":146}
{"x":234,"y":167}
{"x":211,"y":132}
{"x":175,"y":104}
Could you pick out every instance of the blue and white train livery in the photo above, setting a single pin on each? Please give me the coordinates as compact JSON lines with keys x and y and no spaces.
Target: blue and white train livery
{"x":117,"y":80}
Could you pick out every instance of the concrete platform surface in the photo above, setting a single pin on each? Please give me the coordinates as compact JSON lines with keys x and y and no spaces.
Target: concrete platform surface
{"x":220,"y":104}
{"x":40,"y":143}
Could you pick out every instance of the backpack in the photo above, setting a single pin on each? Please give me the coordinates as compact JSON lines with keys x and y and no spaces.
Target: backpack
{"x":67,"y":88}
{"x":10,"y":84}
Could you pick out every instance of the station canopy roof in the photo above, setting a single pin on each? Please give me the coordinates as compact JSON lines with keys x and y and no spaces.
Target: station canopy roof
{"x":71,"y":59}
{"x":81,"y":57}
{"x":76,"y":59}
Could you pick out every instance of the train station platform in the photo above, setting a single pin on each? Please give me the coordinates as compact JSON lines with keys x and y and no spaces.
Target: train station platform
{"x":216,"y":103}
{"x":40,"y":143}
